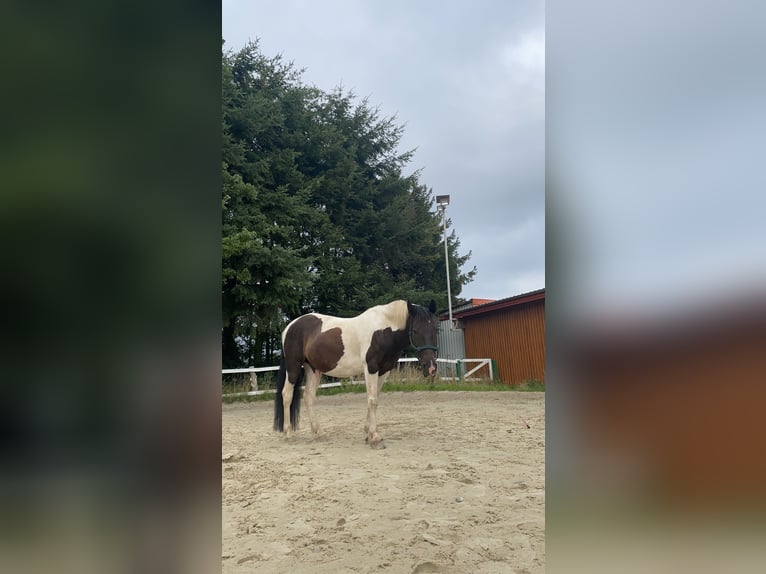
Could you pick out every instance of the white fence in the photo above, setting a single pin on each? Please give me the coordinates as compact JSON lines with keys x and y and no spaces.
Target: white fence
{"x":457,"y":369}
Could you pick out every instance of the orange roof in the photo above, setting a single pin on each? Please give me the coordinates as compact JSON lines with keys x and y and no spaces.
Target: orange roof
{"x":475,"y":302}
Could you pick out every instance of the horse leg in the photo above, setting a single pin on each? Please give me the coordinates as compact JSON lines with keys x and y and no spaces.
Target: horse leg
{"x":382,"y":379}
{"x":371,"y":381}
{"x":287,"y":399}
{"x":312,"y":383}
{"x":367,"y":418}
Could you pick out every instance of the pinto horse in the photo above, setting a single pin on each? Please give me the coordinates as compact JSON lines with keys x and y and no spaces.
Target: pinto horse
{"x":370,"y":344}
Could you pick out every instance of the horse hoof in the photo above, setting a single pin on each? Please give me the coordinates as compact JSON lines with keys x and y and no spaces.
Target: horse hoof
{"x":376,"y":441}
{"x":380,"y":445}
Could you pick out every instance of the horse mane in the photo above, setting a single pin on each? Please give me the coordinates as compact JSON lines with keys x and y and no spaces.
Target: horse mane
{"x":396,"y":312}
{"x":399,"y":314}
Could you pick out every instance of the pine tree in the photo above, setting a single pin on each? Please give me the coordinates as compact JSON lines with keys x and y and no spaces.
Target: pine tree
{"x":317,"y":212}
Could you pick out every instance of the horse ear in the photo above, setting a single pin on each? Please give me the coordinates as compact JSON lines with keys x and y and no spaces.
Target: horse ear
{"x":410,"y":306}
{"x":432,"y":306}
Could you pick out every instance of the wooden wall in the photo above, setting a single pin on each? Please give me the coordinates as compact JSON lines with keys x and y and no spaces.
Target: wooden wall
{"x":513,"y":336}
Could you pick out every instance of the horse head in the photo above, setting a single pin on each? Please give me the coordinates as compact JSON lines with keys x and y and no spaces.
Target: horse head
{"x":422,"y":333}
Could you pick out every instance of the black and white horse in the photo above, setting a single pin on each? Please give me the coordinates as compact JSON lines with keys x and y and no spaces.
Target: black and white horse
{"x":370,"y":344}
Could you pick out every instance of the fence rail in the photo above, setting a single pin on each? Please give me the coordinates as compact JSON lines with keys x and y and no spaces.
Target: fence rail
{"x":458,"y":366}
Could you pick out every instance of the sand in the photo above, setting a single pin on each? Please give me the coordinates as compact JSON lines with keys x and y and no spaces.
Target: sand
{"x":460,"y":487}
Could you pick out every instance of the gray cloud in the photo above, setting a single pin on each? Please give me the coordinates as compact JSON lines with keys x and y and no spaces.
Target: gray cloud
{"x":469,"y":83}
{"x":659,"y":138}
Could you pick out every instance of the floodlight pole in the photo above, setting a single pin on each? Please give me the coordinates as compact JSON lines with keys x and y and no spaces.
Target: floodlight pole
{"x":446,"y":264}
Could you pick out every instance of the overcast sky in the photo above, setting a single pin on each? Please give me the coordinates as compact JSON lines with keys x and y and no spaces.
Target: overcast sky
{"x":467,"y":80}
{"x":656,"y":150}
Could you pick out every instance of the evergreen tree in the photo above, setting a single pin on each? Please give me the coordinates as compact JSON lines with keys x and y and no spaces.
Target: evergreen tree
{"x":317,"y":213}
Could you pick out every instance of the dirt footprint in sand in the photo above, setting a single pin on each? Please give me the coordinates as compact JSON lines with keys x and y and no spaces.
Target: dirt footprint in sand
{"x":428,"y":568}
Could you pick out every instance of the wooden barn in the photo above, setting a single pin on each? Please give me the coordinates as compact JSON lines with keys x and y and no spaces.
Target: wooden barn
{"x":511,"y":331}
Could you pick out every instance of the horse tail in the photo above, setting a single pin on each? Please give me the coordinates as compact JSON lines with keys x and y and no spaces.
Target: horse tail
{"x":295,"y":404}
{"x":279,"y":410}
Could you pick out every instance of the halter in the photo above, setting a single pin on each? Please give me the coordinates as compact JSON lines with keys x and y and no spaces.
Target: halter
{"x":423,"y":347}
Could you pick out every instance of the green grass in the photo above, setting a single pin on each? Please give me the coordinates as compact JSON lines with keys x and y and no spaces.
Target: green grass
{"x":400,"y":383}
{"x":530,"y":385}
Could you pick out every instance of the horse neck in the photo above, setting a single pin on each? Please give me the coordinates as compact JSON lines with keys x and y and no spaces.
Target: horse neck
{"x":397,"y":315}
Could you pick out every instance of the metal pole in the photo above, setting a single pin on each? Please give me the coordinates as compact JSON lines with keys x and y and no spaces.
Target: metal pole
{"x":446,"y":264}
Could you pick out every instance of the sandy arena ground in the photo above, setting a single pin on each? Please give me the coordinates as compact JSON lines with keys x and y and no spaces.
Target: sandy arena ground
{"x":459,"y":489}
